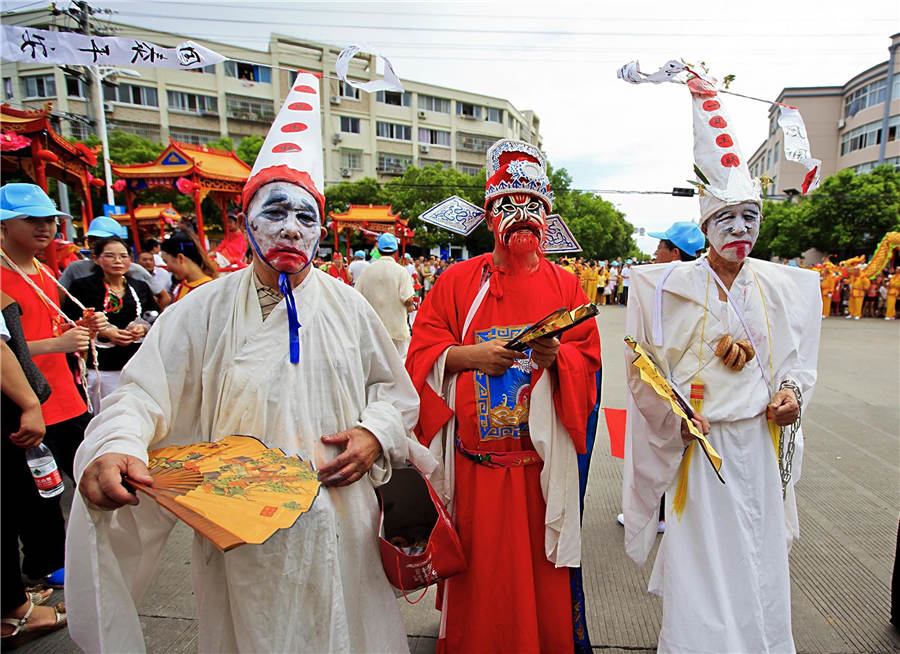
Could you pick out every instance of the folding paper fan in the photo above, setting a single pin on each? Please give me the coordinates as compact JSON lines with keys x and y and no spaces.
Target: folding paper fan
{"x":233,"y":491}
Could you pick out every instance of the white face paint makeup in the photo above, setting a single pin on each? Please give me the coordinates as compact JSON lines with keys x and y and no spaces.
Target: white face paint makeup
{"x":519,"y":211}
{"x":733,"y":231}
{"x":285,"y":223}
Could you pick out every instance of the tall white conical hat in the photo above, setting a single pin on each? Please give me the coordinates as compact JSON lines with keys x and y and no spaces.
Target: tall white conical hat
{"x":292,"y":151}
{"x":724,"y":175}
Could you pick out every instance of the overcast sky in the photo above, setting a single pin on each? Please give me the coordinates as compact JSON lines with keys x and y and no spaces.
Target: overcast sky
{"x":560,"y":60}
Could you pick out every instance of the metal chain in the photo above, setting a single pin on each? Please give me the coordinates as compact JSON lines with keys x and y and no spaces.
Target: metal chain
{"x":786,"y":454}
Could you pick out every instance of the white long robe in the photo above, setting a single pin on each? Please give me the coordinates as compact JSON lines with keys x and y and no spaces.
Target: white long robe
{"x":722,"y":569}
{"x":211,"y":367}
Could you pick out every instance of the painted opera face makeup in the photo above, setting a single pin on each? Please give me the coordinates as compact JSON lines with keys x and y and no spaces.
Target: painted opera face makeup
{"x":519,"y":221}
{"x":286,"y":226}
{"x":733,"y":231}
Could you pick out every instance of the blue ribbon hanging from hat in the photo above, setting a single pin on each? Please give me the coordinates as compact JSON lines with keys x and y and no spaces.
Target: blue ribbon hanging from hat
{"x":284,"y":286}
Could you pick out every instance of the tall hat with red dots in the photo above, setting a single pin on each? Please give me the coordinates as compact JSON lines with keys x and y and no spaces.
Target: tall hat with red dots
{"x":724,"y":178}
{"x":292,"y":151}
{"x":516,"y":167}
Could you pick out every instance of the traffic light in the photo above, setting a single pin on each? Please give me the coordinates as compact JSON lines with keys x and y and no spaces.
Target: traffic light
{"x":679,"y":192}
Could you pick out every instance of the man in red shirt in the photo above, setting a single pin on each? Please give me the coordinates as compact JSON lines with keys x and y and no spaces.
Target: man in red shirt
{"x":29,"y":220}
{"x":509,"y":426}
{"x":338,"y":269}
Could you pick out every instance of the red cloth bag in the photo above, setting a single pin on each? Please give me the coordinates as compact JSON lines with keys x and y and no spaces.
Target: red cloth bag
{"x":411,"y":511}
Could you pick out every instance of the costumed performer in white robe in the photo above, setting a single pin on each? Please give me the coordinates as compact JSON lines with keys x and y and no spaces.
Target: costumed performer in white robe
{"x":333,"y":391}
{"x":722,"y":566}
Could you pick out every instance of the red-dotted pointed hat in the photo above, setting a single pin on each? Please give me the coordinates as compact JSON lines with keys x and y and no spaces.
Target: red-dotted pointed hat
{"x":292,"y":151}
{"x":724,"y":175}
{"x":516,"y":167}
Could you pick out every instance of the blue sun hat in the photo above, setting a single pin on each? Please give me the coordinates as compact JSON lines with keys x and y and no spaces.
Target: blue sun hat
{"x":104,"y":227}
{"x":19,"y":200}
{"x":387,"y":243}
{"x":686,"y":236}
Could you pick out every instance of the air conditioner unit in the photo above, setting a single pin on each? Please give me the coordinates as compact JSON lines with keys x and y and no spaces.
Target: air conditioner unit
{"x":422,"y":113}
{"x":335,"y":99}
{"x":337,"y":137}
{"x":424,"y":149}
{"x":345,"y":172}
{"x":108,"y":107}
{"x":841,"y":123}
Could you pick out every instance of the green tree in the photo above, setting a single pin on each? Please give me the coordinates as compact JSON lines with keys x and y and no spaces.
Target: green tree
{"x":248,"y":149}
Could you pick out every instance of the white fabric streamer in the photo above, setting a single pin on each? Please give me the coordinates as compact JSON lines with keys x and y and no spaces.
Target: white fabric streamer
{"x":796,"y":143}
{"x":390,"y":82}
{"x":45,"y":47}
{"x":632,"y":74}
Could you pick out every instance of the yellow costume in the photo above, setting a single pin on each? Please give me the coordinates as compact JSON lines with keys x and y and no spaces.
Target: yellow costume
{"x":893,"y":290}
{"x":589,"y":282}
{"x":602,"y":279}
{"x":827,"y":284}
{"x":858,"y":288}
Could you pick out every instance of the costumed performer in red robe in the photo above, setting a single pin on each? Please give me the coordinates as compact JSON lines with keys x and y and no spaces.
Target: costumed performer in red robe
{"x":233,"y":247}
{"x":508,"y":426}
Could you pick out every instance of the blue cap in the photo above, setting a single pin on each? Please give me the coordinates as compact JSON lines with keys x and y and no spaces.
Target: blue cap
{"x":628,"y":261}
{"x":359,"y":254}
{"x":26,"y":201}
{"x":686,"y":236}
{"x":387,"y":243}
{"x":104,"y":226}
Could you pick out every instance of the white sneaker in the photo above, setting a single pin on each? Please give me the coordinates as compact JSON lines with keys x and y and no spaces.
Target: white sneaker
{"x":661,"y":527}
{"x":621,"y":519}
{"x":856,"y":317}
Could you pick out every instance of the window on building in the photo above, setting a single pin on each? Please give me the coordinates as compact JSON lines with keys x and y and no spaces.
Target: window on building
{"x":432,"y":103}
{"x":149,"y":132}
{"x":74,"y":87}
{"x":467,"y":169}
{"x":775,"y":154}
{"x":350,"y":125}
{"x":393,"y":164}
{"x":131,"y":94}
{"x":495,"y":115}
{"x":193,"y":103}
{"x":248,"y":72}
{"x":773,"y":125}
{"x":434,"y":136}
{"x":80,"y":130}
{"x":865,"y":96}
{"x":209,"y":70}
{"x":8,"y":93}
{"x":39,"y":86}
{"x":863,"y":136}
{"x":351,"y":159}
{"x":893,"y":126}
{"x":473,"y":142}
{"x":194,"y":136}
{"x":348,"y":91}
{"x":394,"y":131}
{"x":394,"y":97}
{"x":430,"y":162}
{"x":468,"y":110}
{"x":247,"y":108}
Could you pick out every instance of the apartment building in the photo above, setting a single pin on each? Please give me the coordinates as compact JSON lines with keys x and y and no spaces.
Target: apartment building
{"x":375,"y":135}
{"x":853,"y":126}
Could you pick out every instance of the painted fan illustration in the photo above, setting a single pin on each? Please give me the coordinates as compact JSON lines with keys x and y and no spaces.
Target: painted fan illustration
{"x":233,"y":491}
{"x":654,"y":378}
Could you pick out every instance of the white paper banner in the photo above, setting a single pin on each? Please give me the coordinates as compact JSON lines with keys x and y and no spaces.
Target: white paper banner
{"x":632,"y":74}
{"x":390,"y":82}
{"x":796,"y":144}
{"x":45,"y":47}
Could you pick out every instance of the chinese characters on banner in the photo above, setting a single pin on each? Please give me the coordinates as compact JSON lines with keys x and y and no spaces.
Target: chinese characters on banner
{"x":390,"y":82}
{"x":42,"y":46}
{"x":796,"y":144}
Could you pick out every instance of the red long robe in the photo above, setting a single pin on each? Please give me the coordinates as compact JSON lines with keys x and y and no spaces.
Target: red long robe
{"x":511,"y":598}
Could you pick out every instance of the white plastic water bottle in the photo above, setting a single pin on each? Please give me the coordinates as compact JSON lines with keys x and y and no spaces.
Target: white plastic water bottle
{"x":43,"y":468}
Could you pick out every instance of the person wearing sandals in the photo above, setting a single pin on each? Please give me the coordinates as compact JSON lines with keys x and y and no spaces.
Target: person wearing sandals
{"x":24,"y":388}
{"x":124,"y":301}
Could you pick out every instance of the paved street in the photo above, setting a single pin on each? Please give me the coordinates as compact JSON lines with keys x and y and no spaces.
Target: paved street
{"x":848,"y":499}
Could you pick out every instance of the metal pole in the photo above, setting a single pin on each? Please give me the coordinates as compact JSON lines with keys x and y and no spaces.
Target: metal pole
{"x":101,"y":124}
{"x":887,"y":105}
{"x":68,"y":228}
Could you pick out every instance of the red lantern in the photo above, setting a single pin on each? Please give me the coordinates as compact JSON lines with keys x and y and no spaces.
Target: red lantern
{"x":118,"y":186}
{"x":184,"y":185}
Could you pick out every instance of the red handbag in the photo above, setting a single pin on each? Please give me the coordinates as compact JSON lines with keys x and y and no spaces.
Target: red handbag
{"x":418,"y":542}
